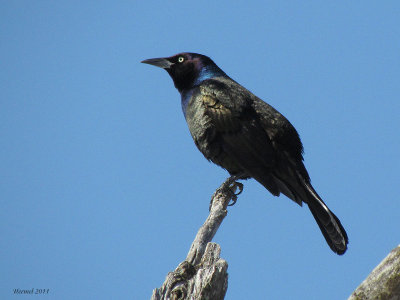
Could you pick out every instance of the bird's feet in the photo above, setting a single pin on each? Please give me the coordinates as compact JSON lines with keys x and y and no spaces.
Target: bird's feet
{"x":232,"y":187}
{"x":235,"y":185}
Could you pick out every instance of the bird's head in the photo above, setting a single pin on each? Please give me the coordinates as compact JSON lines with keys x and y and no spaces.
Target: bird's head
{"x":187,"y":69}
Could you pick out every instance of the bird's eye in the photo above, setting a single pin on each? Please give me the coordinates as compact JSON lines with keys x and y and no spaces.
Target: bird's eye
{"x":181,"y":59}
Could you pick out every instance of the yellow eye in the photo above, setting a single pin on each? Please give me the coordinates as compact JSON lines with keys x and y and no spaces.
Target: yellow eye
{"x":181,"y":59}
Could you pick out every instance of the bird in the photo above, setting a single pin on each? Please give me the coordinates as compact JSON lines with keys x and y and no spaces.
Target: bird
{"x":249,"y":138}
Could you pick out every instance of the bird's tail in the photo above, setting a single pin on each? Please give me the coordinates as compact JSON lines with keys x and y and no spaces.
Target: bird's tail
{"x":301,"y":190}
{"x":330,"y":226}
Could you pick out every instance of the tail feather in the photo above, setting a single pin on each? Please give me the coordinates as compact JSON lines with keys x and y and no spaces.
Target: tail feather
{"x":330,"y":226}
{"x":299,"y":189}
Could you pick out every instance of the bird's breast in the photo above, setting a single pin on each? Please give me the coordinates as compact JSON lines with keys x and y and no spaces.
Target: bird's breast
{"x":185,"y":98}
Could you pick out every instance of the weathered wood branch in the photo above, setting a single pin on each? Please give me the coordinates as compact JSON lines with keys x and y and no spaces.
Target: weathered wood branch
{"x":203,"y":275}
{"x":383,"y":282}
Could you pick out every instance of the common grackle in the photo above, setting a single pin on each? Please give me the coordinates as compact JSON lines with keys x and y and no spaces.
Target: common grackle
{"x":246,"y":136}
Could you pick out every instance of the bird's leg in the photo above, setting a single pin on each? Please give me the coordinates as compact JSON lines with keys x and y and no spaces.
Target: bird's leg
{"x":231,"y":185}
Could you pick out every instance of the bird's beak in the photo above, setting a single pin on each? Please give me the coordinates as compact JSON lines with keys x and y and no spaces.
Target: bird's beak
{"x":158,"y":62}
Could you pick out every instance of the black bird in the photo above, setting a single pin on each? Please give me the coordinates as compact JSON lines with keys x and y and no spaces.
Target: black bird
{"x":246,"y":136}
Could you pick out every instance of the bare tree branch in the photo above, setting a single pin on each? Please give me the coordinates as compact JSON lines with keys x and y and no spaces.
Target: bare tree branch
{"x":383,"y":282}
{"x":203,"y":275}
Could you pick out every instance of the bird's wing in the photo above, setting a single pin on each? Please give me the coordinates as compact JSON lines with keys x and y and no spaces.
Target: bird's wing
{"x":270,"y":145}
{"x":239,"y":130}
{"x":279,"y":129}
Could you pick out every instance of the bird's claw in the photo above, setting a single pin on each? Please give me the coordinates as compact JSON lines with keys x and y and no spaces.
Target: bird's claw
{"x":230,"y":186}
{"x":233,"y":186}
{"x":234,"y":200}
{"x":238,"y":185}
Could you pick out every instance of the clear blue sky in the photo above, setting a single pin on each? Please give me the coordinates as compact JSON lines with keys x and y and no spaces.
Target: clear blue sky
{"x":102,"y":188}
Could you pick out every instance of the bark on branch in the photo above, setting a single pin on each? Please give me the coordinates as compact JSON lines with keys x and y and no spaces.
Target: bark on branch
{"x":203,"y":275}
{"x":384,"y":281}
